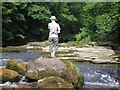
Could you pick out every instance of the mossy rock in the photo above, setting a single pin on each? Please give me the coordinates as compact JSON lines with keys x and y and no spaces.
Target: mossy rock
{"x":16,"y":66}
{"x":54,"y":82}
{"x":8,"y":75}
{"x":74,"y":75}
{"x":47,"y":67}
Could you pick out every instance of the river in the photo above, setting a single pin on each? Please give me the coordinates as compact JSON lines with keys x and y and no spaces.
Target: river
{"x":95,"y":75}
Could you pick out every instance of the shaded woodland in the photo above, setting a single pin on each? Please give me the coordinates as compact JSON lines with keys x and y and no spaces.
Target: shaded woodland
{"x":79,"y":21}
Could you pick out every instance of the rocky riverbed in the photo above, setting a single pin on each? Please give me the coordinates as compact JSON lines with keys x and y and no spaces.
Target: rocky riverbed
{"x":96,"y":54}
{"x":87,"y":53}
{"x":43,"y":73}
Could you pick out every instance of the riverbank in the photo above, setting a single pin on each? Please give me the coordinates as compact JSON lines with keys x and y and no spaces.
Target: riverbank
{"x":92,"y":53}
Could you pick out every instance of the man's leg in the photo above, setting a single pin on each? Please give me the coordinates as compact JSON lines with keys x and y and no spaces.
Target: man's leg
{"x":55,"y":46}
{"x":51,"y":46}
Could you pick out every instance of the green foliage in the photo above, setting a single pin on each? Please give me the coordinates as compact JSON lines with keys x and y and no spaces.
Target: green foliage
{"x":28,"y":21}
{"x":20,"y":35}
{"x":100,"y":22}
{"x":8,"y":35}
{"x":69,"y":17}
{"x":11,"y":18}
{"x":80,"y":43}
{"x":83,"y":34}
{"x":39,"y":12}
{"x":90,"y":21}
{"x":20,"y":17}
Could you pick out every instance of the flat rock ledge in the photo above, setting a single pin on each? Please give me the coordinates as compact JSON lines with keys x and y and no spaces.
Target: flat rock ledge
{"x":95,"y":54}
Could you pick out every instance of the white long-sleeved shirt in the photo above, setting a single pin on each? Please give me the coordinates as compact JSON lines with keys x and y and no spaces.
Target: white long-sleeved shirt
{"x":54,"y":28}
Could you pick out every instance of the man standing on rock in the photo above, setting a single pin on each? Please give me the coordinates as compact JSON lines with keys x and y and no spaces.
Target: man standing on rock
{"x":54,"y":29}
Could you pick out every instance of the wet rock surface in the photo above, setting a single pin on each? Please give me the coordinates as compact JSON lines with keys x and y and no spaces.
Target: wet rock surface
{"x":8,"y":75}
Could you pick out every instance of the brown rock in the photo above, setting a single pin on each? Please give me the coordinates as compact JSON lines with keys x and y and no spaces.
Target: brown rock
{"x":8,"y":75}
{"x":16,"y":66}
{"x":53,"y":82}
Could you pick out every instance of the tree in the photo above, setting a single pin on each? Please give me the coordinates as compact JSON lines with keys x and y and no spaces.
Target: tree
{"x":100,"y":21}
{"x":90,"y":21}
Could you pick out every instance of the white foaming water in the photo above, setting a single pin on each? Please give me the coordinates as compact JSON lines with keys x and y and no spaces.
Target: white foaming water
{"x":2,"y":66}
{"x":13,"y":85}
{"x":100,"y":79}
{"x":108,"y":79}
{"x":103,"y":84}
{"x":22,"y":80}
{"x":8,"y":83}
{"x":5,"y":59}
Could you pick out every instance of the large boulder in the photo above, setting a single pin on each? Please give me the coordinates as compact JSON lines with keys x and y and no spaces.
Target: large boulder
{"x":16,"y":66}
{"x":73,"y":74}
{"x":8,"y":75}
{"x":47,"y":67}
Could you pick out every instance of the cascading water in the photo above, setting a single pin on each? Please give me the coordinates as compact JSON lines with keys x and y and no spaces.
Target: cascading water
{"x":99,"y":76}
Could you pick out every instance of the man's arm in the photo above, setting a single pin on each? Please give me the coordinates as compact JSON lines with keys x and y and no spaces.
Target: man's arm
{"x":58,"y":29}
{"x":48,"y":26}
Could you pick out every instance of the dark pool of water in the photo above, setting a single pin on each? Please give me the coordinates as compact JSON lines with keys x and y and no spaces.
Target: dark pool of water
{"x":95,"y":75}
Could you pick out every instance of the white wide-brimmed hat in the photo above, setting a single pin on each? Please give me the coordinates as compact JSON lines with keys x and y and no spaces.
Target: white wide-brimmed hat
{"x":53,"y":17}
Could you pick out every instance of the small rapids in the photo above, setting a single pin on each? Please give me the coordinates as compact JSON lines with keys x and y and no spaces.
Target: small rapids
{"x":95,"y":75}
{"x":100,"y":76}
{"x":22,"y":81}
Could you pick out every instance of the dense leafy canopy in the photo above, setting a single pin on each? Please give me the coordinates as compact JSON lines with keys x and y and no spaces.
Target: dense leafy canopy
{"x":92,"y":21}
{"x":101,"y":21}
